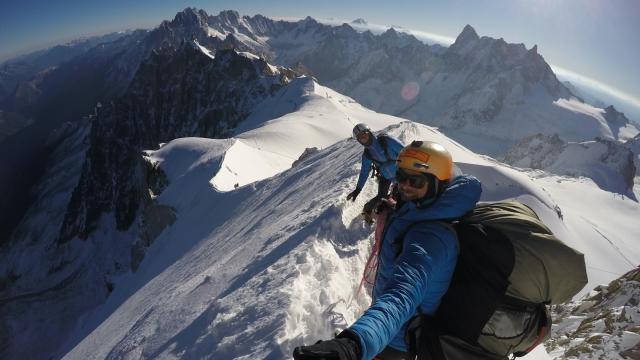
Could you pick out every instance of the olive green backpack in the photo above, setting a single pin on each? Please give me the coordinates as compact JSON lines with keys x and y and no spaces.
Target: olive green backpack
{"x":510,"y":268}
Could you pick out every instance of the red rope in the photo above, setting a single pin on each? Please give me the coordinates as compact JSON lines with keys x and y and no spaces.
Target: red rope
{"x":541,"y":334}
{"x":371,"y":267}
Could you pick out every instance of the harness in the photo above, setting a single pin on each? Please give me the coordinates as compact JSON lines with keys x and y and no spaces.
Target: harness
{"x":382,"y":140}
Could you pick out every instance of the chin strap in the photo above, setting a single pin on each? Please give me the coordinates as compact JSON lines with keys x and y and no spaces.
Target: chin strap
{"x":435,"y":189}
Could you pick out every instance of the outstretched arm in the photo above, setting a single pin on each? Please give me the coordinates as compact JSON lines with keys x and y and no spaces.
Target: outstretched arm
{"x":427,"y":252}
{"x":364,"y":172}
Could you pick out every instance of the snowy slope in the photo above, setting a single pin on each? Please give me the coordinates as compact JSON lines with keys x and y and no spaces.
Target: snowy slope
{"x":608,"y":163}
{"x":322,"y":117}
{"x":253,"y":272}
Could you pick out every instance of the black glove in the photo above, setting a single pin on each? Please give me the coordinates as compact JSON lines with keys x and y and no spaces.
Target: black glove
{"x":353,"y":195}
{"x":372,"y":205}
{"x":343,"y":347}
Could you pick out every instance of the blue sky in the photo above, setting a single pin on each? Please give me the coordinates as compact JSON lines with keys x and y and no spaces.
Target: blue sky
{"x":594,"y":38}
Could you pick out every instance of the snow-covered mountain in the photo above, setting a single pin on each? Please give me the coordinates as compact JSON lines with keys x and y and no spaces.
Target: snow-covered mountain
{"x":484,"y":92}
{"x":608,"y":163}
{"x":477,"y":87}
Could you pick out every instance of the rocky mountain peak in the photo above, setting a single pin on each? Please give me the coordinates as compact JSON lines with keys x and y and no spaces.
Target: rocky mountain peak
{"x":230,"y":17}
{"x":308,"y":24}
{"x":614,"y":117}
{"x":309,"y":19}
{"x":465,"y":42}
{"x":391,"y":32}
{"x":190,"y":17}
{"x":346,"y":29}
{"x":620,"y":125}
{"x":360,"y":21}
{"x":393,"y":38}
{"x":176,"y":92}
{"x":468,"y":35}
{"x":612,"y":113}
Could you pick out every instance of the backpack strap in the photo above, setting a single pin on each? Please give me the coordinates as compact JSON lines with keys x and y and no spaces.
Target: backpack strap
{"x":423,"y":338}
{"x":382,"y":139}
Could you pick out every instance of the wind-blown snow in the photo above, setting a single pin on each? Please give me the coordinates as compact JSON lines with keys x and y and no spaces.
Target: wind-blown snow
{"x":203,"y":49}
{"x":253,"y":271}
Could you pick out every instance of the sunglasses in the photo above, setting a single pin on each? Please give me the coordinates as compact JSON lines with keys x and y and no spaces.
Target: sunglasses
{"x":363,"y":137}
{"x":415,"y":181}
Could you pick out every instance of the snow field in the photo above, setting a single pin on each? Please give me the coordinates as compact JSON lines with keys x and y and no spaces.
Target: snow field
{"x":322,"y":296}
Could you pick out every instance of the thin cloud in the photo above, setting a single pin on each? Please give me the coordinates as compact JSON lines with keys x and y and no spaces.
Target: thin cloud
{"x":424,"y":36}
{"x":594,"y":84}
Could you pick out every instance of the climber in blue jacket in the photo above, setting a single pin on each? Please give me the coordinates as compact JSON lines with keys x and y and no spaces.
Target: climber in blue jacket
{"x":416,"y":261}
{"x":379,"y":155}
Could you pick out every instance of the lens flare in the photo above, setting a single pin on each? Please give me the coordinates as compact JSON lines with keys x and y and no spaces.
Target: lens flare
{"x":410,"y":90}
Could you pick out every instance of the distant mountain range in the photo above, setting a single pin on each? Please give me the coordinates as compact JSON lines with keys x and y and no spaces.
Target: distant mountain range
{"x":608,"y":163}
{"x":477,"y":86}
{"x":483,"y":92}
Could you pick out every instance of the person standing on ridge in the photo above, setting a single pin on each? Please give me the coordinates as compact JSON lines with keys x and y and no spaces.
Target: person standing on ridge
{"x":379,"y":155}
{"x":417,"y":257}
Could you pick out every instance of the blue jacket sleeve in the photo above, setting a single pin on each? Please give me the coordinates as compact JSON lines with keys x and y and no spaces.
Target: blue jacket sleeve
{"x":364,"y":172}
{"x":429,"y":252}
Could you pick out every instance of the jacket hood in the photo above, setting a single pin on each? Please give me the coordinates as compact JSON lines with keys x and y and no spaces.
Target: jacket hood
{"x":456,"y":200}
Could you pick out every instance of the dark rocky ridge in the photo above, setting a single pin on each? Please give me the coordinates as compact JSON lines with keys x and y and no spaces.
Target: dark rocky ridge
{"x":176,"y":93}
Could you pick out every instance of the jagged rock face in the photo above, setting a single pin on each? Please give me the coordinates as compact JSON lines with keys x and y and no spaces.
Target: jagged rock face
{"x":604,"y":324}
{"x":176,"y":93}
{"x":619,"y":124}
{"x":348,"y":59}
{"x":634,"y":146}
{"x":609,"y":163}
{"x":494,"y":79}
